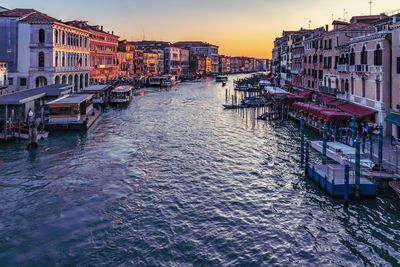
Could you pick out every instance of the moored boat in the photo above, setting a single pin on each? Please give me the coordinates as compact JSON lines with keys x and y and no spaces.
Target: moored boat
{"x":221,"y":78}
{"x":101,"y":93}
{"x":121,"y":95}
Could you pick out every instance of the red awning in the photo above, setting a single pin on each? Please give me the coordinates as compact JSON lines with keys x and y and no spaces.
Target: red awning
{"x":336,"y":103}
{"x":335,"y":116}
{"x":356,"y":110}
{"x":326,"y":99}
{"x":305,"y":92}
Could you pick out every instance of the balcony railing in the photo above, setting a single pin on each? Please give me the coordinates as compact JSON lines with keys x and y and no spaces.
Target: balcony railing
{"x":343,"y":67}
{"x":327,"y":90}
{"x":359,"y":68}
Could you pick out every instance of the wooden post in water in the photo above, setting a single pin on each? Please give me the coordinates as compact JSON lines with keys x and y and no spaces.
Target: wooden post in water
{"x":5,"y":124}
{"x":302,"y":138}
{"x":307,"y":157}
{"x":19,"y":130}
{"x":380,"y":147}
{"x":357,"y":168}
{"x":346,"y":185}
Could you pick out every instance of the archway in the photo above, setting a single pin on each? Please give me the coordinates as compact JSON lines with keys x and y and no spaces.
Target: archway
{"x":64,"y":79}
{"x":86,"y":80}
{"x":76,"y":83}
{"x":70,"y":79}
{"x":57,"y":80}
{"x":41,"y":81}
{"x":81,"y":81}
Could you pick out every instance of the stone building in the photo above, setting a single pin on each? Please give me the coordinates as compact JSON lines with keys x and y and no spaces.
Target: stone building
{"x":42,"y":50}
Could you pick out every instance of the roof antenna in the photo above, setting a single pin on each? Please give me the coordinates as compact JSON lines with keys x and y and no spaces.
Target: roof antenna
{"x":309,"y":24}
{"x":370,"y":6}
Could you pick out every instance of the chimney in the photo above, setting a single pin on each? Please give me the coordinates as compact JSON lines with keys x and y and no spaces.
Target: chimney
{"x":101,"y":28}
{"x":327,"y":27}
{"x":112,"y":32}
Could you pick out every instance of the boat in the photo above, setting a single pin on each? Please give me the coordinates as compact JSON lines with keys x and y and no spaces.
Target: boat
{"x":343,"y":154}
{"x":254,"y":101}
{"x":101,"y":94}
{"x":232,"y":106}
{"x":23,"y":131}
{"x":121,"y":94}
{"x":221,"y":78}
{"x":168,"y":81}
{"x":72,"y":112}
{"x":155,"y":81}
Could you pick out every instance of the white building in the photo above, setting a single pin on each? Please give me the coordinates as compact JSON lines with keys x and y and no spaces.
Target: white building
{"x":176,"y":61}
{"x":3,"y":78}
{"x":42,"y":50}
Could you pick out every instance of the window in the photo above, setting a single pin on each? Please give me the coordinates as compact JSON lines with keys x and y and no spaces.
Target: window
{"x":41,"y":36}
{"x":378,"y":56}
{"x":352,"y":85}
{"x":330,"y":43}
{"x":363,"y":87}
{"x":63,"y":38}
{"x":63,"y":59}
{"x":22,"y":81}
{"x":352,"y":57}
{"x":10,"y":81}
{"x":364,"y":56}
{"x":41,"y":59}
{"x":321,"y":58}
{"x":337,"y":41}
{"x":378,"y":90}
{"x":56,"y":60}
{"x":56,"y":36}
{"x":336,"y":61}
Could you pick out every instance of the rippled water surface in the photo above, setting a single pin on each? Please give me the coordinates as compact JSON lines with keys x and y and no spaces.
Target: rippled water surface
{"x":174,"y":180}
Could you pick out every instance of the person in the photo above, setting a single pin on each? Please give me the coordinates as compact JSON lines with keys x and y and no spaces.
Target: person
{"x":393,"y":141}
{"x":365,"y":132}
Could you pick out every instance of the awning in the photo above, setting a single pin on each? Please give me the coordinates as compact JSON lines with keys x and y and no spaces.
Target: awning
{"x":305,"y":92}
{"x":356,"y":110}
{"x":326,"y":99}
{"x":393,"y":118}
{"x":335,"y":116}
{"x":336,"y":103}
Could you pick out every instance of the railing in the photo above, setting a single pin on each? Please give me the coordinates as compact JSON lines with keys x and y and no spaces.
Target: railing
{"x":359,"y":68}
{"x":327,"y":90}
{"x":343,"y":67}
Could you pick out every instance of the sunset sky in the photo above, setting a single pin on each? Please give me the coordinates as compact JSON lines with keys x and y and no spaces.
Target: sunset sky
{"x":239,"y":27}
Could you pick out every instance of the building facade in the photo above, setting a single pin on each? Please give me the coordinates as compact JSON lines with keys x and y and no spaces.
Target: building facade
{"x":3,"y":78}
{"x":43,"y":51}
{"x":202,"y":49}
{"x":126,"y":59}
{"x":395,"y":92}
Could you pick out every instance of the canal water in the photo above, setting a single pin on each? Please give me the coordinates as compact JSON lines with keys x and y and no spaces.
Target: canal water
{"x":175,"y":180}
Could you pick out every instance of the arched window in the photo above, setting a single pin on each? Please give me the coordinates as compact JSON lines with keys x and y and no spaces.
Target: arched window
{"x":309,"y":59}
{"x":63,"y":59}
{"x":342,"y":84}
{"x":63,"y":38}
{"x":352,"y":85}
{"x":352,"y":57}
{"x":41,"y":36}
{"x":41,"y":81}
{"x":56,"y":36}
{"x":329,"y":83}
{"x":378,"y":90}
{"x":41,"y":59}
{"x":363,"y":87}
{"x":56,"y":60}
{"x":364,"y":56}
{"x":346,"y":86}
{"x":378,"y":56}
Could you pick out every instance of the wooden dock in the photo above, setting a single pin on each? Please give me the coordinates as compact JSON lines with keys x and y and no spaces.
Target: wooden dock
{"x":331,"y":178}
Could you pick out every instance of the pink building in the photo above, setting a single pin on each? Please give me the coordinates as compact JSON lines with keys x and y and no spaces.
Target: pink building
{"x":126,"y":59}
{"x":394,"y":117}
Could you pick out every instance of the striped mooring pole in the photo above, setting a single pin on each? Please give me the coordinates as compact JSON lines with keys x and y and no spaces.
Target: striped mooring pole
{"x":357,"y":168}
{"x":353,"y":129}
{"x":371,"y":147}
{"x":324,"y":140}
{"x":302,"y":138}
{"x":335,"y":133}
{"x":346,"y":185}
{"x":380,"y":147}
{"x":340,"y":134}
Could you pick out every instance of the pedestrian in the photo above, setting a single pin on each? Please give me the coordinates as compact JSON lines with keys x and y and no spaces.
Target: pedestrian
{"x":393,"y":141}
{"x":365,"y":132}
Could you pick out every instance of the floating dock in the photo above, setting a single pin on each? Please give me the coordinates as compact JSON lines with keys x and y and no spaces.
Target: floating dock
{"x":331,"y":178}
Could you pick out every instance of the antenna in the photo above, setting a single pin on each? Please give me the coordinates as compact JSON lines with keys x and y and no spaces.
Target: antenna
{"x":309,"y":24}
{"x":370,"y":6}
{"x":344,"y":14}
{"x":332,"y":16}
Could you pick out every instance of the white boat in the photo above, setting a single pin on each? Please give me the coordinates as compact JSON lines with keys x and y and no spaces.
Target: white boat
{"x":121,"y":94}
{"x":221,"y":78}
{"x":342,"y":153}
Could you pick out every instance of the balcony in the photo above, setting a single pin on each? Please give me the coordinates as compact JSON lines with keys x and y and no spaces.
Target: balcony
{"x":327,"y":90}
{"x":75,"y":68}
{"x":343,"y":67}
{"x":359,"y":68}
{"x":105,"y":52}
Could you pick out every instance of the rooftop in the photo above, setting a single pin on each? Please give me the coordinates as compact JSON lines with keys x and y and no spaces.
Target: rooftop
{"x":31,"y":94}
{"x":122,"y":89}
{"x":71,"y":99}
{"x":17,"y":12}
{"x":99,"y":87}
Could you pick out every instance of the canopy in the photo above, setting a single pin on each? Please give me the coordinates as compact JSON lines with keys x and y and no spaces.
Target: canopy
{"x":356,"y":110}
{"x":326,"y":99}
{"x":393,"y":118}
{"x":336,"y":103}
{"x":305,"y":92}
{"x":329,"y":115}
